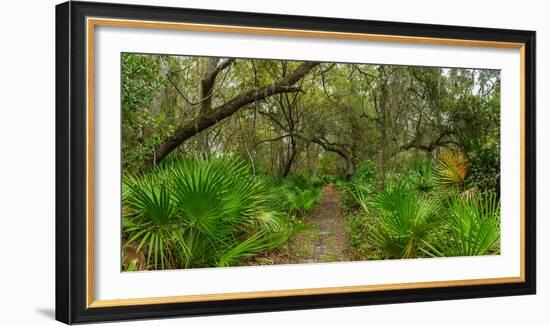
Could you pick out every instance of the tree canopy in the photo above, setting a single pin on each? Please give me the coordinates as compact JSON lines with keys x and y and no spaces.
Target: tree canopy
{"x":290,"y":116}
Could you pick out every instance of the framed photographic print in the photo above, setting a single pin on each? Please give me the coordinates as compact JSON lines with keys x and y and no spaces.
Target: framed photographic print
{"x":213,"y":162}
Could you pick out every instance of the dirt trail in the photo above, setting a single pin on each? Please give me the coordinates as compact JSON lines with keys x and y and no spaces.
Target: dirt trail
{"x":331,"y":242}
{"x":324,"y":240}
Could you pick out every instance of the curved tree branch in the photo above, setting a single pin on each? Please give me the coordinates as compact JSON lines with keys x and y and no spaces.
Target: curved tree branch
{"x":430,"y":147}
{"x":210,"y":118}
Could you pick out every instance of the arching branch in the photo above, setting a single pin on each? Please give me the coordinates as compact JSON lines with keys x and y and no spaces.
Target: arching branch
{"x":213,"y":116}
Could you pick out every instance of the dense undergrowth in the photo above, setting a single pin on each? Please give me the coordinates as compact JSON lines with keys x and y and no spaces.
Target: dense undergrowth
{"x":214,"y":212}
{"x":430,"y":209}
{"x":218,"y":212}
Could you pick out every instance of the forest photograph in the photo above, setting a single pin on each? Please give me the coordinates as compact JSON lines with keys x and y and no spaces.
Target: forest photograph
{"x":251,"y":162}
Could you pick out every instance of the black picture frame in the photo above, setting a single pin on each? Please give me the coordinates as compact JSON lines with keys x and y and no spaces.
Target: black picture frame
{"x":71,"y":158}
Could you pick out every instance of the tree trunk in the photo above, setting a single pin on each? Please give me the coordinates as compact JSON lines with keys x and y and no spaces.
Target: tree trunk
{"x":292,"y":157}
{"x":350,"y":168}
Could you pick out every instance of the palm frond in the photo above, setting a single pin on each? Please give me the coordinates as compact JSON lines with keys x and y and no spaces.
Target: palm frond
{"x":404,"y":221}
{"x":193,"y":212}
{"x":451,"y":167}
{"x":474,"y":227}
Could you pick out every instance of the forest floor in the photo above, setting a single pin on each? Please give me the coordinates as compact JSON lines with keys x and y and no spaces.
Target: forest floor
{"x":323,"y":238}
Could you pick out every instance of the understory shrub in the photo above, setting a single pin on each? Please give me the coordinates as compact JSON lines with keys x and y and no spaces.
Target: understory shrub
{"x":473,"y":227}
{"x":422,"y":177}
{"x":201,"y":213}
{"x":365,"y":172}
{"x":433,"y":211}
{"x":360,"y":187}
{"x":302,"y":193}
{"x":302,"y":201}
{"x":485,"y":169}
{"x":404,"y":221}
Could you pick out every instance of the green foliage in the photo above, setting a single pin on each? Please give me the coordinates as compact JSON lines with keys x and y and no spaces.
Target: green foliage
{"x":358,"y":192}
{"x":303,"y":201}
{"x":131,"y":267}
{"x":302,"y":193}
{"x":358,"y":227}
{"x":484,"y":168}
{"x":409,"y":219}
{"x":324,"y":179}
{"x":152,"y":227}
{"x":304,"y":181}
{"x":296,"y":182}
{"x":362,"y":185}
{"x":365,"y":172}
{"x":140,"y":81}
{"x":340,"y":181}
{"x":404,"y":222}
{"x":473,"y":227}
{"x":422,"y":177}
{"x":142,"y":128}
{"x":201,"y":213}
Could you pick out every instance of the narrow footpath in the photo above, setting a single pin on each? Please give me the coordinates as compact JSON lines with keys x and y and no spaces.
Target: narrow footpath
{"x":323,"y":240}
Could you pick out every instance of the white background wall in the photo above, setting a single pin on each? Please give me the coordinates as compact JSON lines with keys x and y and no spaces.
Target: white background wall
{"x":27,"y":161}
